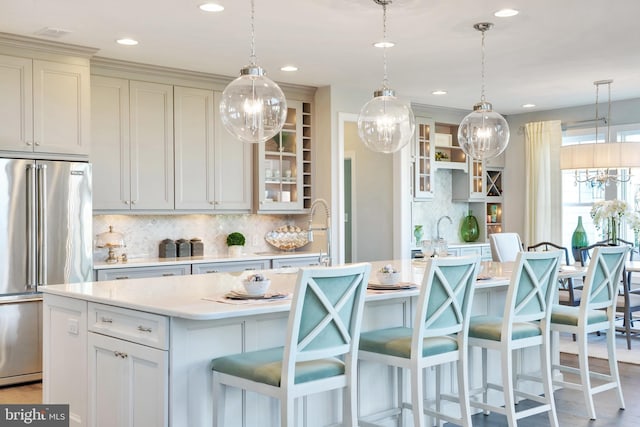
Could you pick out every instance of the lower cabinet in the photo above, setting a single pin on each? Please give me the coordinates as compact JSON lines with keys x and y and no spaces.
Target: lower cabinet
{"x":141,"y":272}
{"x":128,"y":383}
{"x":295,"y":262}
{"x":217,"y":267}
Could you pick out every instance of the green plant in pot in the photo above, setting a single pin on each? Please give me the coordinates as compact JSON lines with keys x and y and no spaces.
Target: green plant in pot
{"x":235,"y":242}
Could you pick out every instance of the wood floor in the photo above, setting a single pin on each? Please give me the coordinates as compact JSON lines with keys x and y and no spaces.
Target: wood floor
{"x":569,"y":403}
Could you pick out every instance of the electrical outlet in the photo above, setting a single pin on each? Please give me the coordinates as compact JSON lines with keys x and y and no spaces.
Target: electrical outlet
{"x":256,"y":240}
{"x":72,"y":326}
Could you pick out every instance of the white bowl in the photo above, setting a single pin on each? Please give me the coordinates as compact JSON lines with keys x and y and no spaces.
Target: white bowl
{"x":388,"y":278}
{"x":258,"y":287}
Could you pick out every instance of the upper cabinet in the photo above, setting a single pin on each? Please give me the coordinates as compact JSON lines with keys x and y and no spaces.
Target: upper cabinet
{"x":282,"y":177}
{"x":213,"y":169}
{"x":133,"y":138}
{"x":45,"y":106}
{"x":423,"y":151}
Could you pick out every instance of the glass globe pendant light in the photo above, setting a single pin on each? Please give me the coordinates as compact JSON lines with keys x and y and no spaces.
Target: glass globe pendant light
{"x":483,"y":133}
{"x":253,"y":107}
{"x":385,"y":123}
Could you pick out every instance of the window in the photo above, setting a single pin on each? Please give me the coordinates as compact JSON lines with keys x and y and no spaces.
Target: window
{"x":578,"y":197}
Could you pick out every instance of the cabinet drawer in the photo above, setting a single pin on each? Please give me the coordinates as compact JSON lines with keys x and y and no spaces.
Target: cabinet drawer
{"x":131,"y":325}
{"x":295,"y":262}
{"x":216,"y":267}
{"x":142,"y":272}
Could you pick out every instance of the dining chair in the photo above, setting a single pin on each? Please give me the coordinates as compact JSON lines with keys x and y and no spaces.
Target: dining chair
{"x":438,"y":336}
{"x":320,"y":351}
{"x":585,"y":253}
{"x":505,"y":246}
{"x":595,"y":313}
{"x":569,"y":293}
{"x":524,"y":324}
{"x":628,"y":302}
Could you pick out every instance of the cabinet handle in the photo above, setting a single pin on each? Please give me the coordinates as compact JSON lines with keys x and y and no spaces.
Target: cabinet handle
{"x":126,"y":202}
{"x":120,"y":354}
{"x":213,"y":271}
{"x":168,"y":274}
{"x":249,"y":269}
{"x":37,"y":143}
{"x":144,"y":329}
{"x":133,"y":202}
{"x":286,"y":266}
{"x":122,"y":277}
{"x":106,"y":320}
{"x":28,"y":143}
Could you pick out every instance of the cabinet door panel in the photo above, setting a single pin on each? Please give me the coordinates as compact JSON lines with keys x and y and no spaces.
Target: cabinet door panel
{"x":61,"y":108}
{"x":110,"y":142}
{"x":151,"y":130}
{"x":16,"y":120}
{"x":233,"y":168}
{"x":194,"y":148}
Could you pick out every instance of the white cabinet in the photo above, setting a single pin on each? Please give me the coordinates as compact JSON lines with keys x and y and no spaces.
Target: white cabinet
{"x":133,"y":131}
{"x":280,"y":172}
{"x":295,"y":262}
{"x":142,"y":272}
{"x":128,"y":378}
{"x":231,"y":266}
{"x":213,"y":169}
{"x":423,"y":152}
{"x":44,"y":105}
{"x":468,"y":186}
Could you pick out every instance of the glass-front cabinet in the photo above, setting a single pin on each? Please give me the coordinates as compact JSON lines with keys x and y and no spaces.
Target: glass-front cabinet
{"x":494,"y":200}
{"x":423,"y":170}
{"x":284,"y":164}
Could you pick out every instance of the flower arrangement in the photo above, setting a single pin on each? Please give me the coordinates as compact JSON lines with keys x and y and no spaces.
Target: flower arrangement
{"x":388,"y":269}
{"x":607,"y":214}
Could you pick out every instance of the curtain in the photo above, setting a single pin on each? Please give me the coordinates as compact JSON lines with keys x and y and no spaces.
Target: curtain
{"x":543,"y":197}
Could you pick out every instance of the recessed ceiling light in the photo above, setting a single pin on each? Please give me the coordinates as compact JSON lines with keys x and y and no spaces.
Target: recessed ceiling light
{"x":528,"y":105}
{"x":127,"y":42}
{"x":289,"y":68}
{"x":211,"y":7}
{"x":439,"y":92}
{"x":506,"y":13}
{"x":384,"y":43}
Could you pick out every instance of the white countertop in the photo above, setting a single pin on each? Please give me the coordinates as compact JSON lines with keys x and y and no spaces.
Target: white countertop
{"x":151,"y":262}
{"x":195,"y":297}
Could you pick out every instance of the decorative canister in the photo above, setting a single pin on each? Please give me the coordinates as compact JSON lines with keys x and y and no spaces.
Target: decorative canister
{"x":184,"y":247}
{"x":470,"y":230}
{"x":167,"y":249}
{"x":578,"y":240}
{"x":197,"y":247}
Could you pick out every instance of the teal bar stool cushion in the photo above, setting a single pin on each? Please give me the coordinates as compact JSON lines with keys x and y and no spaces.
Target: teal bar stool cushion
{"x":265,"y":366}
{"x":397,"y":342}
{"x":567,"y":315}
{"x":490,"y":328}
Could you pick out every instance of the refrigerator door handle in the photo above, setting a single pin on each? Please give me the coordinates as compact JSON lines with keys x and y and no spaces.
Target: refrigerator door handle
{"x":32,"y":243}
{"x":42,"y":224}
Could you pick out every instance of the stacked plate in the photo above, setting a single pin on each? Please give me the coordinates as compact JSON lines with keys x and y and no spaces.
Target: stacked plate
{"x":393,"y":287}
{"x":241,"y":295}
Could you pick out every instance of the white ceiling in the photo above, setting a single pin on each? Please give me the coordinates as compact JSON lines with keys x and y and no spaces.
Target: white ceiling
{"x":549,"y":55}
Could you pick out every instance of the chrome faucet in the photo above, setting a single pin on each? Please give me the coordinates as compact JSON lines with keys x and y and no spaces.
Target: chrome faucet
{"x":438,"y":226}
{"x":324,"y":260}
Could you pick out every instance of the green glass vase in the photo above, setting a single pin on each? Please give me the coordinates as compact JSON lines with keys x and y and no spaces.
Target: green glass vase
{"x":470,"y":230}
{"x":578,"y":240}
{"x":417,"y":234}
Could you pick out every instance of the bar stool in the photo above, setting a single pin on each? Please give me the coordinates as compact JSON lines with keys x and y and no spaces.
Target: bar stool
{"x":595,"y":313}
{"x":525,"y":323}
{"x":438,"y":336}
{"x":320,"y":352}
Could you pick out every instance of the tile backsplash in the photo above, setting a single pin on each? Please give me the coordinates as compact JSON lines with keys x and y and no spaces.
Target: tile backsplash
{"x":143,"y":233}
{"x":427,"y":213}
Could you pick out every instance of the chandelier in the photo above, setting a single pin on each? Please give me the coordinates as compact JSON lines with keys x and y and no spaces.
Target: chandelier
{"x":483,"y":133}
{"x":253,"y":107}
{"x":601,"y":164}
{"x":385,"y":124}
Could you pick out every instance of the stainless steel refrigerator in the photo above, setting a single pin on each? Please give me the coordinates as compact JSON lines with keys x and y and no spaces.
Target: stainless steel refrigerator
{"x":45,"y":238}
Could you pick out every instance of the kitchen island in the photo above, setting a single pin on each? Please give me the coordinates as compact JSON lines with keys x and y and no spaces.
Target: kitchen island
{"x":137,"y":352}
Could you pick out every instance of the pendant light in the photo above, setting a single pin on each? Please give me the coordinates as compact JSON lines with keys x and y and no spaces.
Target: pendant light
{"x":253,"y":107}
{"x":483,"y":133}
{"x":385,"y":123}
